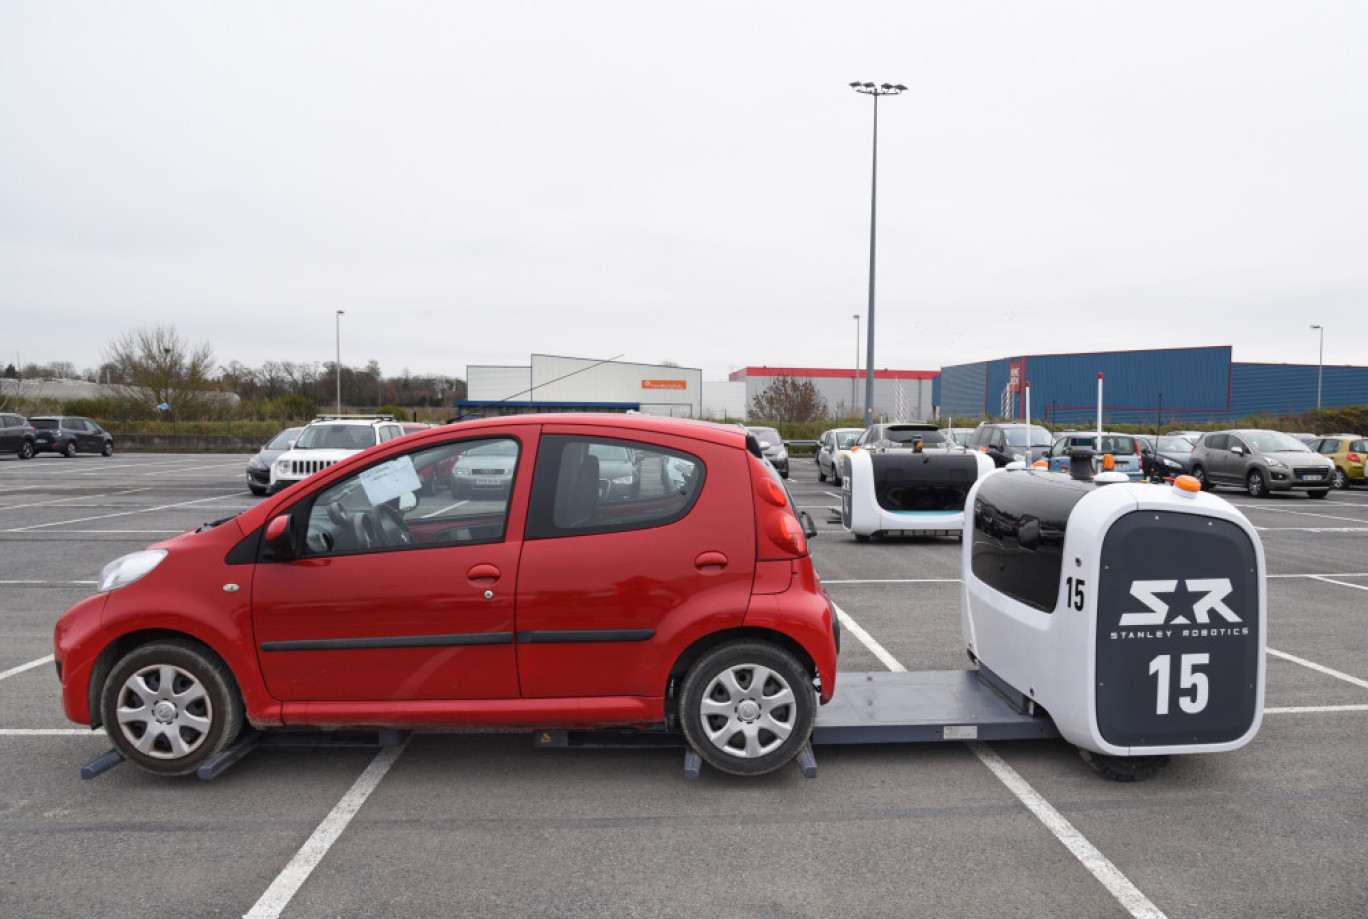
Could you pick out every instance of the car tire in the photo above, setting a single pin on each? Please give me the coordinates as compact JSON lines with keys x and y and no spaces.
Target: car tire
{"x":26,"y":450}
{"x":835,"y":478}
{"x":821,"y":476}
{"x":70,"y":449}
{"x":1319,"y":492}
{"x":107,"y":449}
{"x":1255,"y":484}
{"x":1199,"y":474}
{"x":1339,"y":479}
{"x":170,"y":706}
{"x":748,"y":707}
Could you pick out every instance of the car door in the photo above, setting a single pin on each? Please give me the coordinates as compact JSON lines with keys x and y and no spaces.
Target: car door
{"x":367,"y":613}
{"x":610,"y":591}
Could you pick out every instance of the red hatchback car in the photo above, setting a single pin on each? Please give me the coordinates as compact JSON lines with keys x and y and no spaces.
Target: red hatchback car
{"x":357,"y":598}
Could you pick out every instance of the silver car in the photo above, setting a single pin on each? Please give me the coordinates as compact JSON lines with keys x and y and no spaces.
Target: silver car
{"x":1260,"y":462}
{"x":831,"y":446}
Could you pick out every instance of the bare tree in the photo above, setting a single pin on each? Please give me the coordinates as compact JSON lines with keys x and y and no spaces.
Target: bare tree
{"x":160,"y":368}
{"x":789,"y":399}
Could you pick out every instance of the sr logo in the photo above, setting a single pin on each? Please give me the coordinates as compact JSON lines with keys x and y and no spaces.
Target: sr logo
{"x":1213,"y":591}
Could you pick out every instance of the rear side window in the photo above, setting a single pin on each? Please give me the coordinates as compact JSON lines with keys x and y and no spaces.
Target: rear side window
{"x":598,"y":485}
{"x":1217,"y":441}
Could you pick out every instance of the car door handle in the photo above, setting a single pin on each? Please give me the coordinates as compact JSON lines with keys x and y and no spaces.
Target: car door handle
{"x":708,"y":560}
{"x":484,"y":573}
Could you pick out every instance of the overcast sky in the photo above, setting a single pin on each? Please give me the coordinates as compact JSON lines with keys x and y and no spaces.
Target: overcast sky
{"x":474,"y":182}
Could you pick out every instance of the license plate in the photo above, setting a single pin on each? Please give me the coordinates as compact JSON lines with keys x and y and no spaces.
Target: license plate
{"x":487,"y":481}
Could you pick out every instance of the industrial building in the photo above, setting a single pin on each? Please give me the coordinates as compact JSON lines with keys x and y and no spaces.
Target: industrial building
{"x":1171,"y":386}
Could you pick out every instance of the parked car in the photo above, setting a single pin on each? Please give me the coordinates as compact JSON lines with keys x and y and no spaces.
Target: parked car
{"x":484,"y":469}
{"x":958,"y":435}
{"x":259,"y":466}
{"x":17,"y":436}
{"x":773,"y":446}
{"x":329,"y":439}
{"x":1008,"y":442}
{"x":354,"y":600}
{"x":1124,"y":449}
{"x":1260,"y":462}
{"x":1169,"y":456}
{"x":902,"y":435}
{"x":831,"y":446}
{"x":69,"y":435}
{"x":1349,"y":453}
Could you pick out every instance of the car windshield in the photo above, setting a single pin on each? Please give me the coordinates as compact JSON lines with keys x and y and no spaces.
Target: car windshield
{"x":768,"y":437}
{"x":282,"y":440}
{"x":336,"y":437}
{"x":1275,"y":442}
{"x":845,"y":439}
{"x":912,"y":435}
{"x":1175,"y":445}
{"x":44,"y":424}
{"x":1016,"y":437}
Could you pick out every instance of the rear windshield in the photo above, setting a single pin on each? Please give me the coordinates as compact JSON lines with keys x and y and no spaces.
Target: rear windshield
{"x":912,"y":435}
{"x":768,"y":437}
{"x":44,"y":424}
{"x":1016,"y":437}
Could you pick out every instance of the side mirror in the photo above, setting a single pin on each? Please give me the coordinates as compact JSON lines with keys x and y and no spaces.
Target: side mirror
{"x":407,"y":502}
{"x":1238,"y":450}
{"x":278,"y":540}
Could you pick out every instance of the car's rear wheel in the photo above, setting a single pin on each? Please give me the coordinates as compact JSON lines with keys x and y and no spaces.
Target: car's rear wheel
{"x":1255,"y":485}
{"x":1123,"y":768}
{"x":821,"y":474}
{"x":1199,"y":474}
{"x":170,"y":706}
{"x":70,"y":449}
{"x":748,"y":707}
{"x":1339,"y":479}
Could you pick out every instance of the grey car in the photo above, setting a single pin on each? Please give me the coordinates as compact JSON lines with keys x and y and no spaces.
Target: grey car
{"x":1260,"y":462}
{"x":259,"y":466}
{"x":831,"y":446}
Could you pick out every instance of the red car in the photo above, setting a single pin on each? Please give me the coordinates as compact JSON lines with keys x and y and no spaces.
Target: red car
{"x":356,"y":598}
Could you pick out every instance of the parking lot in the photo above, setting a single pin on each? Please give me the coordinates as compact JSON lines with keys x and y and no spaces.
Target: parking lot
{"x":486,"y":825}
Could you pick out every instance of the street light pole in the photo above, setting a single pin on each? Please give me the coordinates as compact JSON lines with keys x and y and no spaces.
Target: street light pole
{"x":869,"y":89}
{"x":855,"y":383}
{"x":337,"y":368}
{"x":1320,"y":364}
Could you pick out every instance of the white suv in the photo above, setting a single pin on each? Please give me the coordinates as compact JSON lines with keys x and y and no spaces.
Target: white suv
{"x":328,"y":439}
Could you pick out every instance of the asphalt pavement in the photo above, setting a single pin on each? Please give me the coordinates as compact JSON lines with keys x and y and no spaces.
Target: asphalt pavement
{"x":486,"y":825}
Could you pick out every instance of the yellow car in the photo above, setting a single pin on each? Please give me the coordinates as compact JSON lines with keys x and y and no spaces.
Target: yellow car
{"x":1349,"y":453}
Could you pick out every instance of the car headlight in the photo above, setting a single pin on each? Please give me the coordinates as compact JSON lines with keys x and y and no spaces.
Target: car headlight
{"x":124,"y":571}
{"x":1274,"y":461}
{"x":780,"y":453}
{"x":255,"y":463}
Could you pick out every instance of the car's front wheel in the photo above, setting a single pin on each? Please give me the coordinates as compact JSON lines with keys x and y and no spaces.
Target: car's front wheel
{"x":748,"y":707}
{"x":170,"y":706}
{"x":107,"y":449}
{"x":70,"y":449}
{"x":1255,"y":485}
{"x":26,"y":450}
{"x":1319,"y":492}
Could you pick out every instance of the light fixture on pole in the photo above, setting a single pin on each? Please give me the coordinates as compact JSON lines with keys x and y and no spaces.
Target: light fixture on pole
{"x":1320,"y":364}
{"x":337,"y":368}
{"x":869,"y":89}
{"x":855,"y":383}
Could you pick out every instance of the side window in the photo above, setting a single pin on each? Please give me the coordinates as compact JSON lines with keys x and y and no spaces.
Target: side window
{"x":1328,"y":446}
{"x":1237,"y":442}
{"x":1359,"y":446}
{"x":596,"y":485}
{"x":1217,"y":441}
{"x":455,"y":493}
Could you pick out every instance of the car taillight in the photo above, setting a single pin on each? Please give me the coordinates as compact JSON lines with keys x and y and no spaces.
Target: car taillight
{"x":1355,"y":458}
{"x":778,"y":533}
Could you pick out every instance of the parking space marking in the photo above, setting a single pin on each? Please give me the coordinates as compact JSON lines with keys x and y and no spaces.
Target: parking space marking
{"x":29,"y":666}
{"x":47,"y":732}
{"x":895,"y":581}
{"x":47,"y":583}
{"x":273,"y":902}
{"x":1315,"y":709}
{"x":1097,"y":864}
{"x":1321,"y":577}
{"x":57,"y":502}
{"x":1340,"y":574}
{"x":1312,"y":529}
{"x":141,"y":510}
{"x":1320,"y":668}
{"x":1279,"y":510}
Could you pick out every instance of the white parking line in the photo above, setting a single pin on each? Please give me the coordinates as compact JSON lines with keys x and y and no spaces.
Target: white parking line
{"x":140,"y":510}
{"x":1117,"y":884}
{"x":1318,"y":667}
{"x":1321,"y":577}
{"x":48,"y":732}
{"x":273,"y":902}
{"x":47,"y":583}
{"x":29,"y":666}
{"x":58,"y":502}
{"x":1266,"y":507}
{"x":1315,"y":709}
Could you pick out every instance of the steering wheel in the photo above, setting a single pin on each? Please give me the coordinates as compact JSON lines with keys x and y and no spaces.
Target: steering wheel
{"x":391,"y":528}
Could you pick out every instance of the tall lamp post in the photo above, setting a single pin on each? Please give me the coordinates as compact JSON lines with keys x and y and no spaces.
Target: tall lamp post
{"x":1320,"y":364}
{"x":869,"y":89}
{"x":855,"y":383}
{"x":337,"y":368}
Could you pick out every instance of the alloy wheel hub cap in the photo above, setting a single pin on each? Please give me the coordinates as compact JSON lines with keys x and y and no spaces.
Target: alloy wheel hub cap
{"x":748,"y":710}
{"x":164,"y":711}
